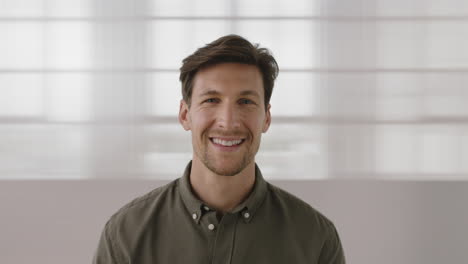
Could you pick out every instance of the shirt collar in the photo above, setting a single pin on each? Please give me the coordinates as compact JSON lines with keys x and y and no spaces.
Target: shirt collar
{"x":250,"y":205}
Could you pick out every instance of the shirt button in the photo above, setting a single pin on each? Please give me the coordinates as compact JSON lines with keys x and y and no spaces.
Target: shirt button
{"x":211,"y":226}
{"x":194,"y":216}
{"x":206,"y":208}
{"x":246,"y":215}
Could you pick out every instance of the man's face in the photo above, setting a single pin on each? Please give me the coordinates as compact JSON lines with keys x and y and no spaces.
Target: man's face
{"x":227,"y":116}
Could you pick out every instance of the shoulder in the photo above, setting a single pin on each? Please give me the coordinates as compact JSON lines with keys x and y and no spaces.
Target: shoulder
{"x":142,"y":209}
{"x":308,"y":225}
{"x":125,"y":227}
{"x":299,"y":210}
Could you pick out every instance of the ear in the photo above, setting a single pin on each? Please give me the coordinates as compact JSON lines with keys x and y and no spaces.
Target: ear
{"x":267,"y":123}
{"x":184,"y":118}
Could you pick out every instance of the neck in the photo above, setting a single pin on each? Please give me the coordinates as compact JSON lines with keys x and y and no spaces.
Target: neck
{"x":222,"y":193}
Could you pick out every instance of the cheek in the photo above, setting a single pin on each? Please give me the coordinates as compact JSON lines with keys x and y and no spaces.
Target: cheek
{"x":201,"y":121}
{"x":255,"y":126}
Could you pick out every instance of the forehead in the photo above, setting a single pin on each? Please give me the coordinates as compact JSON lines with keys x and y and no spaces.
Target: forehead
{"x":228,"y":78}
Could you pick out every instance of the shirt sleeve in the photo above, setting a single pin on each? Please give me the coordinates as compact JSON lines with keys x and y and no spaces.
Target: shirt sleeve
{"x":105,"y":252}
{"x":332,"y":251}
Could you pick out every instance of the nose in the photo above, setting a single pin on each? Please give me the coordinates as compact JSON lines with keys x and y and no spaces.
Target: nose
{"x":228,"y":117}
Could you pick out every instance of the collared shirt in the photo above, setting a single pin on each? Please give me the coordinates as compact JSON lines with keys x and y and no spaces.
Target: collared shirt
{"x":170,"y":225}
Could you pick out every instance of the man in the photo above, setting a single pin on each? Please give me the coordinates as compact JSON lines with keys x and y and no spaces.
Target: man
{"x":222,"y":210}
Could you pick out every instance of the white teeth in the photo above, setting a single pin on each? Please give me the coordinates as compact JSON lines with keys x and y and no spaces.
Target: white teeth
{"x":227,"y":143}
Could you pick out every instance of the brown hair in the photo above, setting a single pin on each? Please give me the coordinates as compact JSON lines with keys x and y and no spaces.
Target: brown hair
{"x":230,"y":48}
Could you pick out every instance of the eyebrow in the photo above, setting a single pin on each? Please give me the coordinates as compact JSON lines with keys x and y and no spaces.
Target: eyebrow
{"x":250,"y":92}
{"x":243,"y":93}
{"x":210,"y":92}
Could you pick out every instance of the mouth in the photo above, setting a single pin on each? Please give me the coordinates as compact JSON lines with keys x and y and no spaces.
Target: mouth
{"x":227,"y":144}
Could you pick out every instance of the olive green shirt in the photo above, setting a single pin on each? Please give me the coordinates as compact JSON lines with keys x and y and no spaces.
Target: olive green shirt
{"x":170,"y":225}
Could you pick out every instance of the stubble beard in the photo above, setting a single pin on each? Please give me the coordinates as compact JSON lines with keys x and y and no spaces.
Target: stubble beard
{"x":209,"y":160}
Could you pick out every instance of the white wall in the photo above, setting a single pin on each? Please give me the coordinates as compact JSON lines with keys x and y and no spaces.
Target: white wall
{"x":379,"y":221}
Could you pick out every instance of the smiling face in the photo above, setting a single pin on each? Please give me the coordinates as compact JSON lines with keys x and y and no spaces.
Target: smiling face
{"x":226,"y":117}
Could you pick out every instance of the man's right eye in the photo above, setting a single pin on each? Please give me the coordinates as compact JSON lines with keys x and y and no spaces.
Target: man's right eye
{"x":211,"y":100}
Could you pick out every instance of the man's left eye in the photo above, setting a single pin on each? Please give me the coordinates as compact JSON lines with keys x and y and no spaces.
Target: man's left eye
{"x":246,"y":101}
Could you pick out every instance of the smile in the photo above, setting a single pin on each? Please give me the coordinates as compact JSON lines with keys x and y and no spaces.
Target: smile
{"x":227,"y":143}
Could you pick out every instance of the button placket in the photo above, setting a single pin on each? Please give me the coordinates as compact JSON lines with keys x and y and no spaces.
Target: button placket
{"x":211,"y":227}
{"x":209,"y":222}
{"x":224,"y":242}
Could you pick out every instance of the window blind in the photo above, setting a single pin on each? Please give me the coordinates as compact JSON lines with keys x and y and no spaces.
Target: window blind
{"x":367,"y":89}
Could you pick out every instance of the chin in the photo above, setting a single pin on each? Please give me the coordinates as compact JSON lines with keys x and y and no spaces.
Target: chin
{"x":226,"y":168}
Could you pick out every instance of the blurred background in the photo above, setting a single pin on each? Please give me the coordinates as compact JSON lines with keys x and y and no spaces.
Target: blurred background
{"x":369,"y":108}
{"x":367,"y":89}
